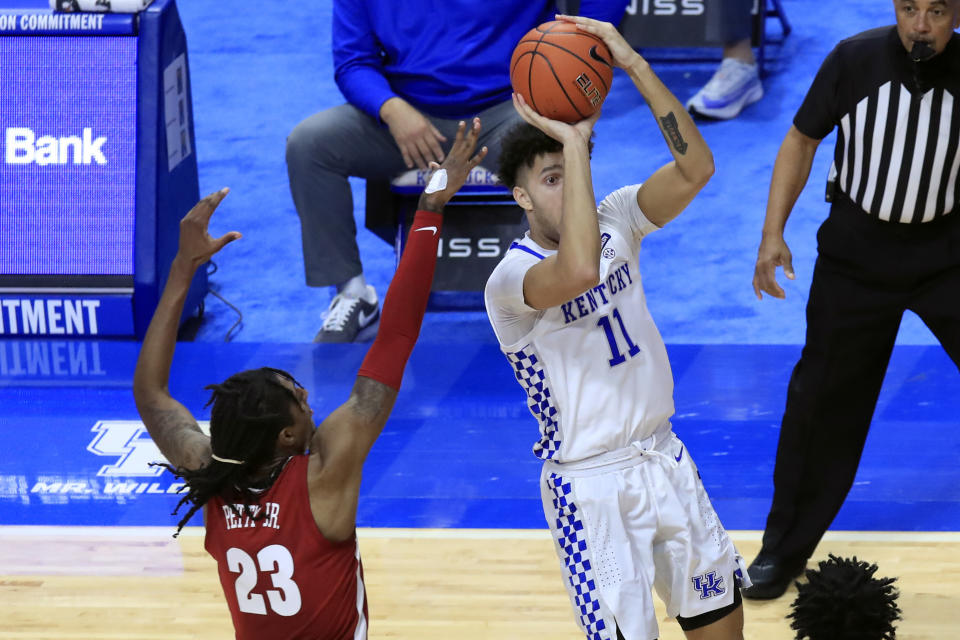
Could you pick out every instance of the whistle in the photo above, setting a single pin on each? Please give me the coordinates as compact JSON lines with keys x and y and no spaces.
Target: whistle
{"x":921,"y":52}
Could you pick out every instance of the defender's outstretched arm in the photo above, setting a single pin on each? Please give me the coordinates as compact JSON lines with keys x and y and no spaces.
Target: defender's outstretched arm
{"x":169,"y":423}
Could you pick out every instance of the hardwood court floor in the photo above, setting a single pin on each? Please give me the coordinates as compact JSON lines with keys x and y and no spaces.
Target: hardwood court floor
{"x":138,"y":583}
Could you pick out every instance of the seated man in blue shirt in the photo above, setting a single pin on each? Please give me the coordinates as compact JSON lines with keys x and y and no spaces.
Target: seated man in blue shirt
{"x":409,"y":75}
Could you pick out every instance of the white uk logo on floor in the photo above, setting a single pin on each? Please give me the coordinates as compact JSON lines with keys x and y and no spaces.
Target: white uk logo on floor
{"x":129,"y":441}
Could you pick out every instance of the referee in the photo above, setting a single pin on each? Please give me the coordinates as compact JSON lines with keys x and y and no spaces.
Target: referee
{"x":891,"y":243}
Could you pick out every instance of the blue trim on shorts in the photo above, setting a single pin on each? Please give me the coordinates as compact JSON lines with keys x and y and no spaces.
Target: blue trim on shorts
{"x":572,"y":542}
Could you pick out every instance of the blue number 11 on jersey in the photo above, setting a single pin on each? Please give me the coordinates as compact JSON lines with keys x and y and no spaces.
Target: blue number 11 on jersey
{"x":617,"y":356}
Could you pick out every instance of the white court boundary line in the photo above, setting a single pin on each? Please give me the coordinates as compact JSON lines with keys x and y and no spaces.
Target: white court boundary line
{"x":114,"y":533}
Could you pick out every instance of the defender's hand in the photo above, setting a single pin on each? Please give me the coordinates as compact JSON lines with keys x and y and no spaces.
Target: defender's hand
{"x":418,"y":140}
{"x":456,"y":167}
{"x":196,"y":245}
{"x":773,"y":253}
{"x":623,"y":54}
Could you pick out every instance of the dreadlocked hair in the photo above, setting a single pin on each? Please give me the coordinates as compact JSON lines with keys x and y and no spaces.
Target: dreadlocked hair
{"x":249,"y":410}
{"x":520,"y":146}
{"x":843,"y":601}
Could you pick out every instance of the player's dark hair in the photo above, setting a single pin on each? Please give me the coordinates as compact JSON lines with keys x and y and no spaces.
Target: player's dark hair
{"x":520,"y":146}
{"x":842,"y":600}
{"x":249,"y":410}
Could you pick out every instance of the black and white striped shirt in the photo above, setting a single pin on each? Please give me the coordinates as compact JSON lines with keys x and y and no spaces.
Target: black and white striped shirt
{"x":898,"y":145}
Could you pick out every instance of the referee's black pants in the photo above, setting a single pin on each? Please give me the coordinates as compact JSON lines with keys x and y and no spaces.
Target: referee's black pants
{"x":867,"y":274}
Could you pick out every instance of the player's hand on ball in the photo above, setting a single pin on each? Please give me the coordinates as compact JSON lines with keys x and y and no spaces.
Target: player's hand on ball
{"x":585,"y":126}
{"x":623,"y":54}
{"x":196,"y":244}
{"x":446,"y":178}
{"x":559,"y":131}
{"x":773,"y":253}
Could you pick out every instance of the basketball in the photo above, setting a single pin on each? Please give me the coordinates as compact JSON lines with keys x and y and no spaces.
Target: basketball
{"x":563,"y":73}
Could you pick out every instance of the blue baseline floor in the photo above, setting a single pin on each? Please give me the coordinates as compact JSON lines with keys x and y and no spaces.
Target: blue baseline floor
{"x":456,"y":452}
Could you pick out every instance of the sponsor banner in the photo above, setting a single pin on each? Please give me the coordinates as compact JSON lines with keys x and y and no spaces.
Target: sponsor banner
{"x":67,"y":155}
{"x":25,"y":22}
{"x":678,"y":23}
{"x":65,"y":315}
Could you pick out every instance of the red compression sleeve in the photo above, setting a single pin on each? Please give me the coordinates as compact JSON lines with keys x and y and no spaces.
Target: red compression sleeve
{"x":405,"y":303}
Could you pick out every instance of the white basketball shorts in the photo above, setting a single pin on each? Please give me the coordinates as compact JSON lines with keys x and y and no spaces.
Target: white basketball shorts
{"x":631,"y":521}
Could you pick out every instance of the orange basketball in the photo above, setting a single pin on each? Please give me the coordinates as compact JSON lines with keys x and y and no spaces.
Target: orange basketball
{"x":562,"y":72}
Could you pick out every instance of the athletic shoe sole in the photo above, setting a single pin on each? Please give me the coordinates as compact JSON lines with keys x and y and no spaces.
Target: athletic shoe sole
{"x":732,"y":110}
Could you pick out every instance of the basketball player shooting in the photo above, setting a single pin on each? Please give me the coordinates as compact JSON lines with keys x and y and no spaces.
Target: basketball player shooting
{"x":280,"y":494}
{"x":621,"y":495}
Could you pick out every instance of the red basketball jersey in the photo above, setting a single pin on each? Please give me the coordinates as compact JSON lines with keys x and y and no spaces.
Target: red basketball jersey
{"x":281,"y":577}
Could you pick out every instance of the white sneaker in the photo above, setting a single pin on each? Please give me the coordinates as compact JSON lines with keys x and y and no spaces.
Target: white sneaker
{"x":348,"y":317}
{"x":735,"y":85}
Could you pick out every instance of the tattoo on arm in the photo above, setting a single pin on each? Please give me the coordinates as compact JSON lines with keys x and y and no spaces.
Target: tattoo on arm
{"x":176,"y":435}
{"x":372,"y":398}
{"x":671,"y":131}
{"x":344,"y":438}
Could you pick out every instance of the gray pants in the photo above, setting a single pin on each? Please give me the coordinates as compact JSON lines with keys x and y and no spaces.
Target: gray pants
{"x":731,"y":21}
{"x":327,"y":148}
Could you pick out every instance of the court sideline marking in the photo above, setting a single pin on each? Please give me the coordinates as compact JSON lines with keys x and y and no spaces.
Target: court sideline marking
{"x":20,"y":531}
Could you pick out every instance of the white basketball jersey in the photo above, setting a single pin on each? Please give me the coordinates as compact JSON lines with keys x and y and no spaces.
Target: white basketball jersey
{"x":595,"y":369}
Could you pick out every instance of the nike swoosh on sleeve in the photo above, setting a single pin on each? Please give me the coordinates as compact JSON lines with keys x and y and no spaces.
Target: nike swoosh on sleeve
{"x":434,"y":229}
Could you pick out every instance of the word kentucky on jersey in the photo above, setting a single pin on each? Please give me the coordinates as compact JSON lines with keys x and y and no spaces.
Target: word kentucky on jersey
{"x":586,"y":303}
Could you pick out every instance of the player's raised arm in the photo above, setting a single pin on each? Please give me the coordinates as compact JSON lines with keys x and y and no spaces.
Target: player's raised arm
{"x":575,"y":266}
{"x":169,"y":423}
{"x":345,"y":437}
{"x":671,"y":188}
